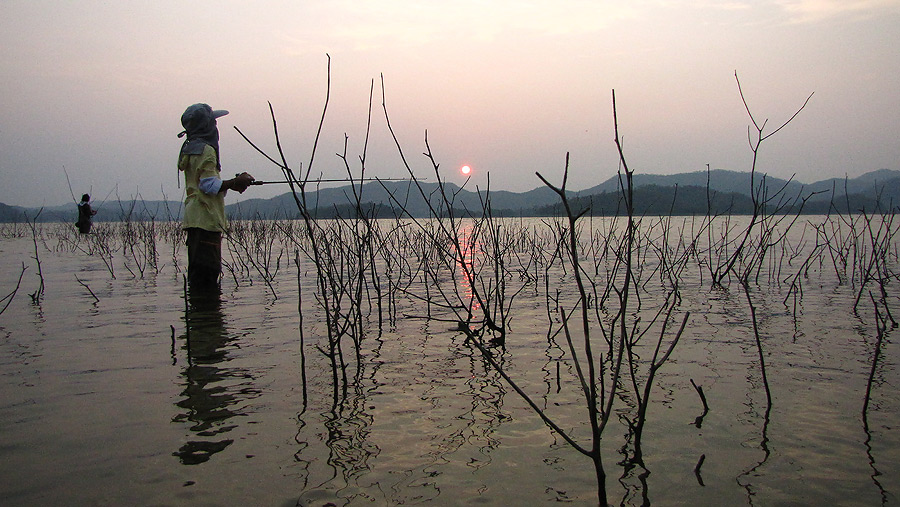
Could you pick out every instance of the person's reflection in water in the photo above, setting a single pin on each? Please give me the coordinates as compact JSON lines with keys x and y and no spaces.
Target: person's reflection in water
{"x":209,"y":390}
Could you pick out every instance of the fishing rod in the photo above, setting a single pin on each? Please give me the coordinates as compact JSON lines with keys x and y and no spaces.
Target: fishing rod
{"x":70,"y":184}
{"x":345,"y":180}
{"x":107,"y":197}
{"x":91,"y":191}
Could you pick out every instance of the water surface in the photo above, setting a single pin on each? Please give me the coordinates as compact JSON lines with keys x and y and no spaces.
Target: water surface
{"x":130,"y":399}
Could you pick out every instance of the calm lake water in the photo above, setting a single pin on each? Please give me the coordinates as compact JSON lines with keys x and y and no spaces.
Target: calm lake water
{"x":111,"y":393}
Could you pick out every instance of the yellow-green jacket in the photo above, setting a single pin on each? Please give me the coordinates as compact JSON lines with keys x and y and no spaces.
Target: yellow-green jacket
{"x":204,"y":204}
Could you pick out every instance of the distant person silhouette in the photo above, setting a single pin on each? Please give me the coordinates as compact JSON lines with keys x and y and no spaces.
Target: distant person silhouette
{"x":85,"y":215}
{"x":204,"y":202}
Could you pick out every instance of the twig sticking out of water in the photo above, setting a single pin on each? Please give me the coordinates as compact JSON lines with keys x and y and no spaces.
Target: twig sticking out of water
{"x":327,"y":255}
{"x":68,"y":182}
{"x":174,"y":357}
{"x":881,"y":330}
{"x":759,"y":347}
{"x":698,"y":422}
{"x":697,"y":469}
{"x":39,"y":293}
{"x":9,"y":297}
{"x":96,"y":299}
{"x":765,"y":206}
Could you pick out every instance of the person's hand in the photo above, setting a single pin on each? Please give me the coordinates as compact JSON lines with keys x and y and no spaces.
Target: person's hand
{"x":241,"y":182}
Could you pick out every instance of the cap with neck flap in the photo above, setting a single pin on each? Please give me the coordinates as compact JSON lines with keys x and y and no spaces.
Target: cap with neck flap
{"x":199,"y":122}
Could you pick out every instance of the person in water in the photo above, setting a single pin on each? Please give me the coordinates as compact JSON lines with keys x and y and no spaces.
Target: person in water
{"x":204,"y":202}
{"x":85,"y":215}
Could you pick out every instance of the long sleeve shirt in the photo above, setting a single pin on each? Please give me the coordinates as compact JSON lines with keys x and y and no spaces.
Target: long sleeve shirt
{"x":204,"y":204}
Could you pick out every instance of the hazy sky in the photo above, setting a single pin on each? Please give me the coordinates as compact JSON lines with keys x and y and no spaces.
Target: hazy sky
{"x":508,"y":87}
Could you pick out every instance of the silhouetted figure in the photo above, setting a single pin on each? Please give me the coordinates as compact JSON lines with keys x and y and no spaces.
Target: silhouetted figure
{"x":204,"y":202}
{"x":85,"y":215}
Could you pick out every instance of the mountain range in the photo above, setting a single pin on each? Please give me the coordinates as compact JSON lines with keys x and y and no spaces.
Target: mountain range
{"x":717,"y":191}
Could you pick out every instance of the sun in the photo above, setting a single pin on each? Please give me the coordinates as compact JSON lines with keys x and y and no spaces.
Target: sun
{"x":465,"y":170}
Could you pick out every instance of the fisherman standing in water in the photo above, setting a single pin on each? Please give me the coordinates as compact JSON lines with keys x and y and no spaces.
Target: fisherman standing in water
{"x":204,"y":203}
{"x":85,"y":215}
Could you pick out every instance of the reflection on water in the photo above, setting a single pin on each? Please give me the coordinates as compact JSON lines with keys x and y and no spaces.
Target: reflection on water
{"x":437,"y":409}
{"x":212,"y":392}
{"x":466,"y":267}
{"x":348,"y":425}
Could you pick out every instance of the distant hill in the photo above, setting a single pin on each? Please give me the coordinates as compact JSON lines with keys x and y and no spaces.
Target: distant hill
{"x":388,"y":195}
{"x":10,"y":213}
{"x":719,"y":180}
{"x":16,"y":214}
{"x":685,"y":193}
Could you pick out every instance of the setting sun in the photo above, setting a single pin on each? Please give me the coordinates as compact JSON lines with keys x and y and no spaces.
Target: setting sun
{"x":465,"y":170}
